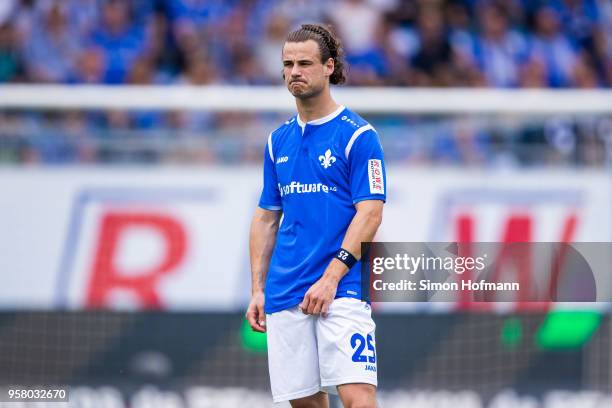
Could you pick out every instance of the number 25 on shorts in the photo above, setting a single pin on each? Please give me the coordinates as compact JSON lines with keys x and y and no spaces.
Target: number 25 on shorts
{"x":358,"y":344}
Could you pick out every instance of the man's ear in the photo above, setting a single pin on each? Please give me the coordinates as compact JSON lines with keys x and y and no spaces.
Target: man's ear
{"x":329,"y":67}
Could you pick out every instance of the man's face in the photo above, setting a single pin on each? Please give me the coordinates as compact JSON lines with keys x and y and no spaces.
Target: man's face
{"x":305,"y":75}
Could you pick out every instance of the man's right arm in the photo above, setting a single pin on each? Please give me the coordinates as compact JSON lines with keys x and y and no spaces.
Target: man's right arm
{"x":264,"y":228}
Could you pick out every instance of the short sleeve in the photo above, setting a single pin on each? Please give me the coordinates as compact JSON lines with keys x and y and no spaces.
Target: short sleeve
{"x":367,"y":167}
{"x":270,"y":197}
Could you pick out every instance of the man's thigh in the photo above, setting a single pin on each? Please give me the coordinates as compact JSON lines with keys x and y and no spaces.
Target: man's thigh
{"x":347,"y":345}
{"x":292,"y":355}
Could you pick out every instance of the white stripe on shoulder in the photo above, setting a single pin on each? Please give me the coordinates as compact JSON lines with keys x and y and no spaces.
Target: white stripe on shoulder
{"x":354,"y":137}
{"x":270,"y":148}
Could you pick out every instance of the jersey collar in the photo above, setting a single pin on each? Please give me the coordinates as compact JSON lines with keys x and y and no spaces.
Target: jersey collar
{"x":320,"y":121}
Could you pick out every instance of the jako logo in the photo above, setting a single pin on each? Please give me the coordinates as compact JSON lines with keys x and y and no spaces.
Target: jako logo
{"x":282,"y":159}
{"x":299,"y":188}
{"x":327,"y":160}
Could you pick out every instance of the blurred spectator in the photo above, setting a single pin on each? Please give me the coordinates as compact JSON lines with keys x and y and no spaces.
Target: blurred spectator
{"x":268,"y":52}
{"x":584,"y":74}
{"x":199,"y":71}
{"x":247,"y":68}
{"x":603,"y":42}
{"x":198,"y":23}
{"x":359,"y":24}
{"x":75,"y":126}
{"x":303,"y":11}
{"x":143,"y":73}
{"x":121,"y":43}
{"x":460,"y":27}
{"x":10,"y":61}
{"x":533,"y":75}
{"x":90,"y":67}
{"x":23,"y":17}
{"x":51,"y":47}
{"x":579,"y":18}
{"x":433,"y":62}
{"x":53,"y":143}
{"x":162,"y":49}
{"x":560,"y":133}
{"x":498,"y":52}
{"x":552,"y":47}
{"x":230,"y":49}
{"x":83,"y":15}
{"x":458,"y":142}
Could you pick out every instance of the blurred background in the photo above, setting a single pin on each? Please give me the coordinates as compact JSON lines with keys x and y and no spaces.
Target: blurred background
{"x":131,"y":140}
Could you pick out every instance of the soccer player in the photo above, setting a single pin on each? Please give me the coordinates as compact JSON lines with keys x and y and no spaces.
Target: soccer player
{"x":324,"y":175}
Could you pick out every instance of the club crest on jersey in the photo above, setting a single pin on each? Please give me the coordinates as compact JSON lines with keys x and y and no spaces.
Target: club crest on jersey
{"x":327,"y":160}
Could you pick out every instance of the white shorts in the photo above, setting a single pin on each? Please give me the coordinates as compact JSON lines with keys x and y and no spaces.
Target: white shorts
{"x":308,"y":354}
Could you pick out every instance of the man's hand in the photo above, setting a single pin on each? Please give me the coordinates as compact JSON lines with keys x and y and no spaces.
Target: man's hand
{"x":255,"y":313}
{"x":320,"y":295}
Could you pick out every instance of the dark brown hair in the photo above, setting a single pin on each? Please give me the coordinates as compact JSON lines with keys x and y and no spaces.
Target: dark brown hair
{"x":329,"y":47}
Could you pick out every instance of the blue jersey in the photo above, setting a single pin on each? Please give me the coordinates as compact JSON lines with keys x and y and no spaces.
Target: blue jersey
{"x":315,"y":173}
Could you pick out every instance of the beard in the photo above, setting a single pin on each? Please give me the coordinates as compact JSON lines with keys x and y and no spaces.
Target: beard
{"x":303,"y":90}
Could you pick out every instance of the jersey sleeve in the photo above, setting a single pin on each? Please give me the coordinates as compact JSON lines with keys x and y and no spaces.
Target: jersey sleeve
{"x":368,"y":176}
{"x":270,"y":197}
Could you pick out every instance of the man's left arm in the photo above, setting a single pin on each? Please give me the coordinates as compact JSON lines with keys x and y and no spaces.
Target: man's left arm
{"x":362,"y":228}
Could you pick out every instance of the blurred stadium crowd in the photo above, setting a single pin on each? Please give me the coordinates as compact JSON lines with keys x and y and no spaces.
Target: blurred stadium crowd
{"x":509,"y":43}
{"x":468,"y":43}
